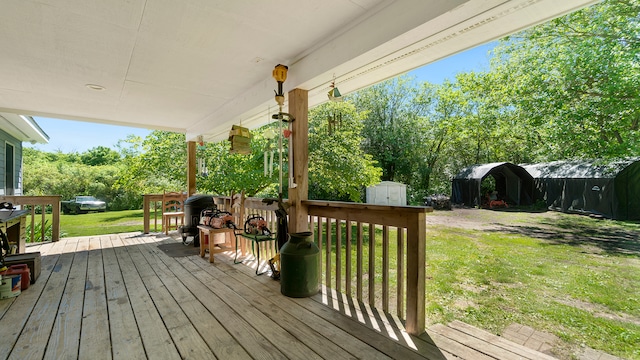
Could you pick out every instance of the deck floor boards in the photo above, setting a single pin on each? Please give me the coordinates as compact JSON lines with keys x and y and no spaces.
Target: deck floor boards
{"x":123,"y":297}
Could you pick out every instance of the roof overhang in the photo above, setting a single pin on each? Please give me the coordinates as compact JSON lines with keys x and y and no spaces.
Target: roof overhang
{"x":23,"y":128}
{"x":197,"y":66}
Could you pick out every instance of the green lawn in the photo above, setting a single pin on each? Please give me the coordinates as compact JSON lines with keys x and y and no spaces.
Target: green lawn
{"x":570,"y":275}
{"x":110,"y":222}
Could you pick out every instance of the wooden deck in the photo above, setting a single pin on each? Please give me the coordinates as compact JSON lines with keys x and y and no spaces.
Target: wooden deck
{"x":134,"y":296}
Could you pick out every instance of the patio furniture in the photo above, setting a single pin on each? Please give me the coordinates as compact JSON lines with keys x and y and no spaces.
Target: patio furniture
{"x":211,"y":238}
{"x":172,"y":210}
{"x":255,"y":230}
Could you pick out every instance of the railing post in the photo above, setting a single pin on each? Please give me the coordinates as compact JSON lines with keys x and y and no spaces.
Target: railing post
{"x":416,"y":239}
{"x":299,"y":162}
{"x":191,"y":168}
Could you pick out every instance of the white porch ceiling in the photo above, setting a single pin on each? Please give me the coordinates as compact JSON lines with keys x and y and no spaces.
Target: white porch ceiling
{"x":199,"y":66}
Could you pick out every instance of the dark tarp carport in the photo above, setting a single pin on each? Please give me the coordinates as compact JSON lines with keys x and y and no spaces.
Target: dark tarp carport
{"x":513,"y":184}
{"x":607,"y":188}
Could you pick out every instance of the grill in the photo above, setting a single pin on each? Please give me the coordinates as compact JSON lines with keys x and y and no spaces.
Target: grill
{"x":193,"y":206}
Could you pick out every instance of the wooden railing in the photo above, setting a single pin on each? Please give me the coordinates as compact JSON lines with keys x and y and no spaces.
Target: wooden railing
{"x":43,"y":203}
{"x":357,"y":267}
{"x":347,"y":230}
{"x":371,"y":252}
{"x":148,"y":201}
{"x":251,"y":206}
{"x":154,"y":202}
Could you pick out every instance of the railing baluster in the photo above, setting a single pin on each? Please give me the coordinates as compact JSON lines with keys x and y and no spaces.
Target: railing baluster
{"x":347,"y":274}
{"x":359,"y":252}
{"x":327,"y":279}
{"x":372,"y":264}
{"x":385,"y":268}
{"x":338,"y":255}
{"x":43,"y":210}
{"x":400,"y":274}
{"x":319,"y":238}
{"x":33,"y":223}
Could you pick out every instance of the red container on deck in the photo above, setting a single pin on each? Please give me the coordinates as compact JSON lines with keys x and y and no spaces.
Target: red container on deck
{"x":20,"y":269}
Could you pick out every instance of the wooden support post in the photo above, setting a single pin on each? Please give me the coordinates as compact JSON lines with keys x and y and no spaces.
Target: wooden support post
{"x":299,"y":109}
{"x":416,"y":248}
{"x":191,"y":168}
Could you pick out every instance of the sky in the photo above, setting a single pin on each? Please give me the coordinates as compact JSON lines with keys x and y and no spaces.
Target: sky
{"x":75,"y":136}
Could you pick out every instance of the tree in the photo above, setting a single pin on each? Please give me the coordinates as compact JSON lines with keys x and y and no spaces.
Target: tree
{"x":390,"y":126}
{"x":440,"y":108}
{"x":394,"y":132}
{"x":59,"y":174}
{"x":100,"y":155}
{"x":576,"y":80}
{"x":338,"y":168}
{"x":236,"y":172}
{"x":154,"y":164}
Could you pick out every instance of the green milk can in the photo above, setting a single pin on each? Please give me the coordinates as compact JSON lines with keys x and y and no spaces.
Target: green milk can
{"x":299,"y":260}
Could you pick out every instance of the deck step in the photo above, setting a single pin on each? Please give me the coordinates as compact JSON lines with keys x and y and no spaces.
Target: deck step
{"x":484,"y":342}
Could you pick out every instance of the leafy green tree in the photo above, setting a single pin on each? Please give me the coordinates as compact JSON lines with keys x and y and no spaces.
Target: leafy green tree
{"x":338,"y":168}
{"x":237,"y":172}
{"x":100,"y":155}
{"x":154,"y":164}
{"x":67,"y":177}
{"x":390,"y":126}
{"x":441,"y":108}
{"x":396,"y":133}
{"x":576,"y":80}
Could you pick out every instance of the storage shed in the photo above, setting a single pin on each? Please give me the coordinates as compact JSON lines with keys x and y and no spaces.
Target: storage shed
{"x":387,"y":193}
{"x":513,"y":184}
{"x":606,"y":188}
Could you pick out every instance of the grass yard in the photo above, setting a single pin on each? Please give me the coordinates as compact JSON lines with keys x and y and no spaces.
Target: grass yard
{"x":110,"y":222}
{"x":570,"y":275}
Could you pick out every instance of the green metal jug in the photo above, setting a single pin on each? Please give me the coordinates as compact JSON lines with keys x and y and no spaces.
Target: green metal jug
{"x":299,"y":260}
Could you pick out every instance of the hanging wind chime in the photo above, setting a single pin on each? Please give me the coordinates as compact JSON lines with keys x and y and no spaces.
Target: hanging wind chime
{"x":280,"y":75}
{"x":202,"y":161}
{"x":269,"y":151}
{"x":334,"y":121}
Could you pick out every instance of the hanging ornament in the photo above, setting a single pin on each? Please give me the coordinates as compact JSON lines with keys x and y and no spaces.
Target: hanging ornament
{"x":334,"y":94}
{"x":202,"y":167}
{"x":272,"y":152}
{"x":270,"y":134}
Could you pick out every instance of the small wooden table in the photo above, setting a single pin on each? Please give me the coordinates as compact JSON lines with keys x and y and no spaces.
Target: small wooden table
{"x":212,"y":237}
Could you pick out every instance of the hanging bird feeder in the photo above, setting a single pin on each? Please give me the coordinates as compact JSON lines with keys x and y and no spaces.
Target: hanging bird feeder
{"x":240,"y":138}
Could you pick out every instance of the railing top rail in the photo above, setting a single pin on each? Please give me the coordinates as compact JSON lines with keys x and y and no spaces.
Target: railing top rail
{"x":368,"y":207}
{"x":399,"y":216}
{"x":31,"y":200}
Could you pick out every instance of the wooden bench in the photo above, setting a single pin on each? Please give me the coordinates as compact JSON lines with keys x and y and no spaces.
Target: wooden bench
{"x":213,"y":238}
{"x":255,"y":239}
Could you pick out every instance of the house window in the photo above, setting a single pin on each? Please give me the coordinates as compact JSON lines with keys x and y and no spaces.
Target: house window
{"x":9,"y":170}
